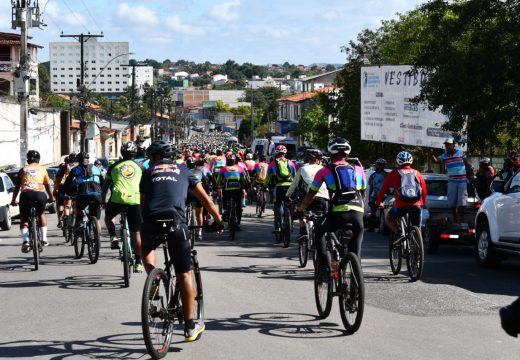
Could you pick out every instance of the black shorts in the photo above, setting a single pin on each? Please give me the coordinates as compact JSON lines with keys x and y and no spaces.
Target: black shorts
{"x":27,"y":199}
{"x":178,"y":243}
{"x":60,"y":199}
{"x":133,"y":214}
{"x":94,"y":201}
{"x":413,"y":211}
{"x":279,"y":195}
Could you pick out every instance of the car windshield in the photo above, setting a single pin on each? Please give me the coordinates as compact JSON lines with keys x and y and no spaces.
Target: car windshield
{"x":437,"y":188}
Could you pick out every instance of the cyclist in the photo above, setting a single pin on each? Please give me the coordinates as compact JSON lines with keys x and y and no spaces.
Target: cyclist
{"x":59,"y":192}
{"x":140,"y":157}
{"x":375,"y":181}
{"x":346,"y":181}
{"x":303,"y":180}
{"x":281,"y":171}
{"x":32,"y":183}
{"x":164,"y":188}
{"x":85,"y":181}
{"x":403,"y":203}
{"x":123,"y":178}
{"x":233,"y":180}
{"x":217,"y":162}
{"x":200,"y":174}
{"x":260,"y":175}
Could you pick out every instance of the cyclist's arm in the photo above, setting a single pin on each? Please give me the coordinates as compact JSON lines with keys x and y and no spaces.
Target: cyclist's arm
{"x":49,"y":192}
{"x":384,"y":188}
{"x":106,"y":185}
{"x":16,"y":191}
{"x":307,"y":200}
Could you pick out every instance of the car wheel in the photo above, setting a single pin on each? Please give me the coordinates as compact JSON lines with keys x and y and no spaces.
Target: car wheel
{"x":484,"y":248}
{"x":431,"y":239}
{"x":5,"y":215}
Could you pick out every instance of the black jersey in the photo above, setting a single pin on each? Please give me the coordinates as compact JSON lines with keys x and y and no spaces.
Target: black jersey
{"x":165,"y":186}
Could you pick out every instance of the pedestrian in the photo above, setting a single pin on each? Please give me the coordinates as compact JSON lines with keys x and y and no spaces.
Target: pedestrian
{"x":484,"y":176}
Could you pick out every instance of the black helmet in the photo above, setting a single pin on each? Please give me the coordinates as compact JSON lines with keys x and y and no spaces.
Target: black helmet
{"x":82,"y":156}
{"x":313,"y":154}
{"x":71,"y":158}
{"x":231,"y":159}
{"x":485,"y":161}
{"x":380,"y":161}
{"x":33,"y":156}
{"x":191,"y":162}
{"x":159,"y":147}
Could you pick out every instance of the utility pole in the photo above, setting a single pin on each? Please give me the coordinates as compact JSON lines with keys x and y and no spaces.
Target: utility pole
{"x":133,"y":64}
{"x":252,"y":118}
{"x":24,"y":16}
{"x":82,"y":38}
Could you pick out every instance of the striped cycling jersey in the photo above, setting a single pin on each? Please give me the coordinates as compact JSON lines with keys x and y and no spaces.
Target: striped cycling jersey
{"x":455,"y":166}
{"x":232,"y":178}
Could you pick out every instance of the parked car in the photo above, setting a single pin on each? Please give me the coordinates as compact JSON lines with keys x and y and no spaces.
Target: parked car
{"x":13,"y":175}
{"x":498,"y":223}
{"x":7,"y":212}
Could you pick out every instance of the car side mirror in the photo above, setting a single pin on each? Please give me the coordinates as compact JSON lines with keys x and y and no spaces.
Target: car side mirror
{"x":498,"y":186}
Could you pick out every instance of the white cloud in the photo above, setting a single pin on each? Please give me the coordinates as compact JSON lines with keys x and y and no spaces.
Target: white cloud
{"x":313,"y":40}
{"x":226,"y":12}
{"x":138,"y":15}
{"x":330,"y":15}
{"x":175,"y":23}
{"x":73,"y":19}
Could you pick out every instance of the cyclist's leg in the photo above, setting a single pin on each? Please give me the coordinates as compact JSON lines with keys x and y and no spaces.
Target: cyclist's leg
{"x":81,"y":203}
{"x":111,"y":211}
{"x":239,"y":196}
{"x":277,"y":202}
{"x":25,"y":211}
{"x":135,"y":220}
{"x":41,"y":200}
{"x":95,"y":210}
{"x":225,"y":201}
{"x":356,"y":219}
{"x":149,"y":244}
{"x":391,"y":220}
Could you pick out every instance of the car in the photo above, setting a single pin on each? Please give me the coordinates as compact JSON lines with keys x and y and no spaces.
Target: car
{"x":497,"y":223}
{"x":7,"y":212}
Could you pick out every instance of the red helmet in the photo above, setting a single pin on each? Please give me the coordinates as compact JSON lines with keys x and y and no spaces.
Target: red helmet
{"x":280,"y":149}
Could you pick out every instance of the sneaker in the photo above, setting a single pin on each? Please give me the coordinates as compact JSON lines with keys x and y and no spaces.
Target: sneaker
{"x":114,"y":243}
{"x":45,"y":242}
{"x":195,"y":333}
{"x":139,"y":268}
{"x":510,"y":320}
{"x":60,"y":225}
{"x":26,"y":247}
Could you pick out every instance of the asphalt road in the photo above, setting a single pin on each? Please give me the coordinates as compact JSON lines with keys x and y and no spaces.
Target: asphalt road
{"x":258,"y":305}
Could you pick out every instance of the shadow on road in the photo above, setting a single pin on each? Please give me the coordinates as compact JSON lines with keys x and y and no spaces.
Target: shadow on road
{"x":81,"y":282}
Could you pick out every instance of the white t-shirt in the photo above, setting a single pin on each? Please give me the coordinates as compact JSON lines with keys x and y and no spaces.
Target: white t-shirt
{"x":306,"y":173}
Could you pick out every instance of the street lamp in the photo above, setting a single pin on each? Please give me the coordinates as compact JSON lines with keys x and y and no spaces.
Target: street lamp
{"x":104,"y":67}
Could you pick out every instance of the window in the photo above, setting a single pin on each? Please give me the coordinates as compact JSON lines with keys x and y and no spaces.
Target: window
{"x":55,"y":83}
{"x":54,"y":68}
{"x":63,"y":83}
{"x":62,"y":75}
{"x":101,"y":89}
{"x":117,"y":82}
{"x":109,"y":75}
{"x":117,"y":75}
{"x":109,"y":89}
{"x":93,"y":61}
{"x":63,"y":90}
{"x":62,"y":68}
{"x":514,"y":187}
{"x":109,"y":82}
{"x":71,"y":83}
{"x":71,"y":75}
{"x":54,"y":75}
{"x":102,"y":75}
{"x":102,"y":82}
{"x":93,"y":68}
{"x":109,"y":68}
{"x":71,"y":68}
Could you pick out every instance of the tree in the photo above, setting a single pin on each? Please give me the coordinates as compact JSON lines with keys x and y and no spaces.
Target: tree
{"x":330,"y":67}
{"x":44,"y":79}
{"x":313,"y":126}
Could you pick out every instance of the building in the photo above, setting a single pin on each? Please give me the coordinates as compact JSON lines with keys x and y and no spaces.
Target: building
{"x":219,"y":79}
{"x":143,"y":78}
{"x":316,"y":82}
{"x":10,"y":59}
{"x":103,"y":61}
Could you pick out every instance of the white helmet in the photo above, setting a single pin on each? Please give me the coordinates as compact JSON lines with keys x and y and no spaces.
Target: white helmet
{"x":339,"y":144}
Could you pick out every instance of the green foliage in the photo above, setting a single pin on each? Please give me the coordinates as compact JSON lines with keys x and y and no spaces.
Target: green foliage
{"x":313,"y":126}
{"x":57,"y":102}
{"x":44,"y":79}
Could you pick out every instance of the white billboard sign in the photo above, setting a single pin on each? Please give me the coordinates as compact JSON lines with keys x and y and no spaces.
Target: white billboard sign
{"x":388,"y":113}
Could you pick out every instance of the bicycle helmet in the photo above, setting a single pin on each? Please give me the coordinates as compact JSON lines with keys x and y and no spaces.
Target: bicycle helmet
{"x":249,"y":156}
{"x":381,"y":162}
{"x":231,"y":159}
{"x":485,"y":161}
{"x":82,"y":156}
{"x":129,"y":147}
{"x":338,"y":145}
{"x":280,"y":149}
{"x":71,"y":158}
{"x":313,"y":154}
{"x":33,"y":156}
{"x":404,"y":158}
{"x":191,"y":162}
{"x":159,"y":147}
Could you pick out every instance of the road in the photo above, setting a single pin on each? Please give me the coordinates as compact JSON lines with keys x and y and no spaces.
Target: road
{"x":258,"y":305}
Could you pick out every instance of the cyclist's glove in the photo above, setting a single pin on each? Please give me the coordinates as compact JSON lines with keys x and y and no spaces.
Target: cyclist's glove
{"x":217,"y":226}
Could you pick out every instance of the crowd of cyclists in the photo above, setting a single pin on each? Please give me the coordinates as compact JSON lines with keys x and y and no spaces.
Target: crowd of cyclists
{"x":208,"y":171}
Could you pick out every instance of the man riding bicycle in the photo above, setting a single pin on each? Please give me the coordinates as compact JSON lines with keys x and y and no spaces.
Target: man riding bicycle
{"x":201,"y":174}
{"x":32,"y":184}
{"x":409,"y":191}
{"x":123,"y":178}
{"x":164,"y":188}
{"x":346,"y":181}
{"x":281,"y":171}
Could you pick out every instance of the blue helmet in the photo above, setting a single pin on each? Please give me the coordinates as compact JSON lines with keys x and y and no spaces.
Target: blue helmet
{"x":404,"y":158}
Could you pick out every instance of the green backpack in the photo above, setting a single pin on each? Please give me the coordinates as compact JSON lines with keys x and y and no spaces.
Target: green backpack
{"x":283,"y":173}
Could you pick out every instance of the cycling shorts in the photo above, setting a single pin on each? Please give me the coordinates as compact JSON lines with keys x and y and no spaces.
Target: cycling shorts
{"x":133,"y":214}
{"x":93,"y":201}
{"x":414,"y":211}
{"x":27,"y":199}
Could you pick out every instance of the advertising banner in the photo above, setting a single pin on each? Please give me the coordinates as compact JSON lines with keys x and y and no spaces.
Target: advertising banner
{"x":388,"y":113}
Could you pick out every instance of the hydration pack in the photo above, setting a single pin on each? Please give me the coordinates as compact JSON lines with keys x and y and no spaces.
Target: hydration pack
{"x":283,"y":173}
{"x":409,"y":189}
{"x":345,"y":178}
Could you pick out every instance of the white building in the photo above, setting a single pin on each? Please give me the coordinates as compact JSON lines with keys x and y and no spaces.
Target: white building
{"x":103,"y":70}
{"x":143,"y":75}
{"x":219,"y":79}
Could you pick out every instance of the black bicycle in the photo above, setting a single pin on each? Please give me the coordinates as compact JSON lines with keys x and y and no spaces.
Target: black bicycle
{"x":409,"y":245}
{"x":161,"y":307}
{"x":307,"y":243}
{"x":35,"y":238}
{"x":68,"y":223}
{"x":126,"y":251}
{"x":191,"y":220}
{"x":261,"y":199}
{"x":342,"y":277}
{"x":89,"y":236}
{"x":232,"y":217}
{"x":285,"y":225}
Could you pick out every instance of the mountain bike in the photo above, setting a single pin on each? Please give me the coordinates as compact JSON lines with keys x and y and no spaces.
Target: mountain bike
{"x":285,"y":225}
{"x":409,"y":245}
{"x":126,"y":251}
{"x":261,"y":195}
{"x":342,"y":276}
{"x":161,"y":306}
{"x":307,"y":243}
{"x":89,"y":236}
{"x":35,"y":237}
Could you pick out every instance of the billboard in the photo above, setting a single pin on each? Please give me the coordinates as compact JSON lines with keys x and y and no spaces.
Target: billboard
{"x":388,"y":113}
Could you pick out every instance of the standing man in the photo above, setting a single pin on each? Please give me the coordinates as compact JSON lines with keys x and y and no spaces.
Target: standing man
{"x":455,"y":163}
{"x":484,"y":176}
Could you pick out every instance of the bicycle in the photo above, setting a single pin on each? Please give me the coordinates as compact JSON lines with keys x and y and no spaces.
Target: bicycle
{"x":307,"y":243}
{"x":68,"y":223}
{"x":284,"y":235}
{"x":342,"y":277}
{"x":161,"y":306}
{"x":232,"y":217}
{"x":191,"y":220}
{"x":126,"y":251}
{"x":35,"y":237}
{"x":261,"y":195}
{"x":89,"y":236}
{"x":410,"y":246}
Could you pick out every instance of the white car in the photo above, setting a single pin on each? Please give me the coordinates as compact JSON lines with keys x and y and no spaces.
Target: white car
{"x":498,"y":223}
{"x":6,"y":210}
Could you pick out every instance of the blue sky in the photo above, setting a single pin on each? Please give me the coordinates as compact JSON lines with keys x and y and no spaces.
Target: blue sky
{"x":256,"y":31}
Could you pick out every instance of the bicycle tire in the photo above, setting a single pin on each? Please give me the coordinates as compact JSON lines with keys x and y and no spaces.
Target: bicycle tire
{"x":198,"y":314}
{"x":395,"y":255}
{"x":259,"y":203}
{"x":303,"y":251}
{"x":125,"y":257}
{"x":415,"y":255}
{"x":93,"y":240}
{"x":286,"y":229}
{"x":70,"y":230}
{"x":351,"y":291}
{"x":232,"y":219}
{"x":192,"y":222}
{"x":33,"y":240}
{"x":79,"y":244}
{"x":323,"y":291}
{"x":156,"y":321}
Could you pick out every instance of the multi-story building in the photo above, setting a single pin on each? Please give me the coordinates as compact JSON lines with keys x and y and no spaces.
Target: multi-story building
{"x":103,"y":61}
{"x":143,"y":77}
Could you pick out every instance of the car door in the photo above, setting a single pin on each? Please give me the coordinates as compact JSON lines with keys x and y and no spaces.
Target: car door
{"x":9,"y":188}
{"x":508,"y":208}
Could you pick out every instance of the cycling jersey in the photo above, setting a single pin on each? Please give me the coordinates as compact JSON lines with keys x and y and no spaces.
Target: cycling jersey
{"x":376,"y":181}
{"x":272,"y":170}
{"x":232,"y":178}
{"x":125,"y":176}
{"x":33,"y":178}
{"x":394,"y":180}
{"x":217,"y":163}
{"x":303,"y":179}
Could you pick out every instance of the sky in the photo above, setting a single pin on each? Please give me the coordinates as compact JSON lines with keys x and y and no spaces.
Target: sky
{"x":256,"y":31}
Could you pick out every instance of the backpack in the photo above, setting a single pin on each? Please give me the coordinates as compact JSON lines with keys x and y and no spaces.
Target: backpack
{"x":345,"y":179}
{"x":409,"y":189}
{"x":262,"y":174}
{"x":283,"y":173}
{"x":86,"y":182}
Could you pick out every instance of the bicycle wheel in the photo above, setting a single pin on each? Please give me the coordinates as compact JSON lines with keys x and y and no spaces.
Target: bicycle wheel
{"x":198,"y":313}
{"x":395,"y":253}
{"x":33,"y":239}
{"x":125,"y":257}
{"x":303,"y":250}
{"x":415,"y":254}
{"x":232,"y":219}
{"x":155,"y":318}
{"x":323,"y":284}
{"x":351,"y":293}
{"x":79,"y":244}
{"x":259,"y":203}
{"x":192,"y":222}
{"x":286,"y":229}
{"x":70,"y":230}
{"x":93,"y":240}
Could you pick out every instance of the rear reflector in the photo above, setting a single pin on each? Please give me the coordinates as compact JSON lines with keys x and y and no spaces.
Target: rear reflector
{"x":471,"y":231}
{"x":477,"y":206}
